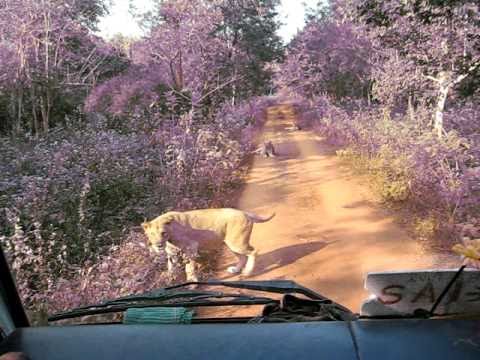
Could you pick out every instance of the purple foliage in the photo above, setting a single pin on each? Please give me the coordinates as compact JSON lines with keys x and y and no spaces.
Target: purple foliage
{"x":424,"y":50}
{"x":47,"y":52}
{"x":328,"y":57}
{"x":129,"y":92}
{"x":179,"y":57}
{"x":126,"y":269}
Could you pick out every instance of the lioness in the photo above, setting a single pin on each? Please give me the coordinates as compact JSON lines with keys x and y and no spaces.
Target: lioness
{"x":191,"y":230}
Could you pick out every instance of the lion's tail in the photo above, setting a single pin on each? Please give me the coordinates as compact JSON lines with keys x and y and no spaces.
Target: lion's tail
{"x":258,"y":219}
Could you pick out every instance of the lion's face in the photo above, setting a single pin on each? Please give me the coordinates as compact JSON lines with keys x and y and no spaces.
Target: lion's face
{"x":157,"y":234}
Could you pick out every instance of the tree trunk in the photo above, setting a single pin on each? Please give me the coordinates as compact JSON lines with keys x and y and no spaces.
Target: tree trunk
{"x":18,"y":121}
{"x":234,"y":94}
{"x":180,"y":72}
{"x":20,"y":112}
{"x":35,"y":125}
{"x":411,"y":110}
{"x":45,"y":110}
{"x":441,"y":99}
{"x":234,"y":86}
{"x":446,"y":83}
{"x":45,"y":101}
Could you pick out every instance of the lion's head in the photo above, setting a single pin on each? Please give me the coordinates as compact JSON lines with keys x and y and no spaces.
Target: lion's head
{"x":158,"y":232}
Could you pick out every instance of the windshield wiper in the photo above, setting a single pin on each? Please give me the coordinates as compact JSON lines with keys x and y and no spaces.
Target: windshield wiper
{"x":172,"y":297}
{"x":164,"y":298}
{"x":272,"y":286}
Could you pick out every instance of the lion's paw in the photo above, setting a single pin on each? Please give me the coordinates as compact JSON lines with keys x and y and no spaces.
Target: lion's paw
{"x":233,"y":270}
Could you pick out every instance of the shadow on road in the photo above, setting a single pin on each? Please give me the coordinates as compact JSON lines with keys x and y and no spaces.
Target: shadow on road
{"x":285,"y":256}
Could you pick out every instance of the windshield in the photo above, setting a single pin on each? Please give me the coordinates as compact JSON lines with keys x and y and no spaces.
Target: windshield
{"x":150,"y":143}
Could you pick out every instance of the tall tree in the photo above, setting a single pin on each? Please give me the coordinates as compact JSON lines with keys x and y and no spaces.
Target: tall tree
{"x":329,"y":55}
{"x":51,"y":54}
{"x":439,"y":41}
{"x":249,"y":27}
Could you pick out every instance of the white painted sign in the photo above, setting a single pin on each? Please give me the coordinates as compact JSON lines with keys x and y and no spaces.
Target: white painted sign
{"x":404,"y":292}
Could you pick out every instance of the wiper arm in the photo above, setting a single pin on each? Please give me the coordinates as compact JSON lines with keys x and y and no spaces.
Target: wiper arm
{"x":272,"y":286}
{"x":164,"y":298}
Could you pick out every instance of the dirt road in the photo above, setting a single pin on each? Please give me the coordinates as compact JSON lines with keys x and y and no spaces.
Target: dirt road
{"x":326,"y":235}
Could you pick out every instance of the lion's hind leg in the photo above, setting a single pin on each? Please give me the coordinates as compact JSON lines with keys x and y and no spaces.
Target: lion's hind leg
{"x":246,"y":262}
{"x":250,"y":265}
{"x":242,"y":260}
{"x":238,"y":241}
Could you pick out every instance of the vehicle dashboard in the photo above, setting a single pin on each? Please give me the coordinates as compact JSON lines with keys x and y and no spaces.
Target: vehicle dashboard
{"x":362,"y":339}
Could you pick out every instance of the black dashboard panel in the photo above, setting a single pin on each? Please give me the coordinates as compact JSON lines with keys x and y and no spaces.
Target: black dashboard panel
{"x":377,"y":339}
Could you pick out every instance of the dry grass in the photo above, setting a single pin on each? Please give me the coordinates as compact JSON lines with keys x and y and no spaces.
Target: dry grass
{"x":389,"y":188}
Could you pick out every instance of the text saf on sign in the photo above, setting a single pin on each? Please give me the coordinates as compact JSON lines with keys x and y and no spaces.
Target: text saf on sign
{"x":404,"y":292}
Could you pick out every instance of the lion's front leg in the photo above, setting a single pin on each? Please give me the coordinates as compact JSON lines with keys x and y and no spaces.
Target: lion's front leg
{"x":174,"y":261}
{"x":191,"y":270}
{"x":191,"y":265}
{"x":171,"y":264}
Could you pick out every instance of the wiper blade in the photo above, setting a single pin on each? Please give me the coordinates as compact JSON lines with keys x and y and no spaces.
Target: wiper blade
{"x":171,"y":297}
{"x":164,"y":298}
{"x":272,"y":286}
{"x":166,"y":294}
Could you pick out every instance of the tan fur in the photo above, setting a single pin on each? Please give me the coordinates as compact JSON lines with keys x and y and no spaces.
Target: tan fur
{"x":201,"y":229}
